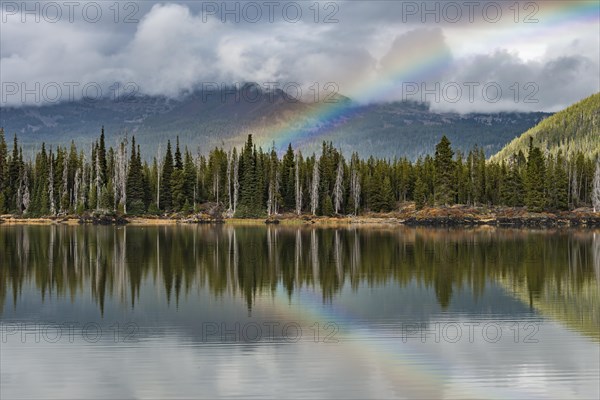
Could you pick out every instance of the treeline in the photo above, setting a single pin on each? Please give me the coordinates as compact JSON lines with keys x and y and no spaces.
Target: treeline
{"x":250,"y":182}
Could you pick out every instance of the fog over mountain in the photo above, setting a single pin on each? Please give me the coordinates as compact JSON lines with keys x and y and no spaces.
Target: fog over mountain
{"x":203,"y":120}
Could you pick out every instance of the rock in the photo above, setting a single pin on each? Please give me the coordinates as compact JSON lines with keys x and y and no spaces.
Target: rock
{"x":103,"y":219}
{"x":203,"y":219}
{"x":443,"y":221}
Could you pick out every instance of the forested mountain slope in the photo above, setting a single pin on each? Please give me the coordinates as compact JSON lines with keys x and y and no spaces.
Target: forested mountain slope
{"x":575,"y":129}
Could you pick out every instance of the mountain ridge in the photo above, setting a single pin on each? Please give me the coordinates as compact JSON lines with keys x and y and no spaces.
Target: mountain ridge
{"x":574,"y":129}
{"x":207,"y":119}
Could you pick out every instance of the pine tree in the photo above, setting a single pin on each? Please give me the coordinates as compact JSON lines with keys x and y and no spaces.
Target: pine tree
{"x":288,"y":179}
{"x":189,"y":178}
{"x":260,"y":195}
{"x":166,"y":201}
{"x":178,"y":159}
{"x":476,"y":163}
{"x":535,"y":196}
{"x":461,"y":179}
{"x":3,"y":172}
{"x":559,"y":184}
{"x":444,"y":173}
{"x":512,"y":188}
{"x":251,"y":204}
{"x":236,"y":179}
{"x":177,"y":189}
{"x":274,"y":197}
{"x":420,"y":193}
{"x":387,"y":195}
{"x":135,"y":182}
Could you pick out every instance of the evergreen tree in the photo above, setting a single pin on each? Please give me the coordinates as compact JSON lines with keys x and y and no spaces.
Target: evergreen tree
{"x":189,"y":178}
{"x":512,"y":188}
{"x":65,"y":180}
{"x":166,"y":200}
{"x":3,"y":172}
{"x":251,"y":182}
{"x":288,"y":183}
{"x":461,"y":179}
{"x":420,"y":192}
{"x":535,"y":197}
{"x":557,"y":182}
{"x":135,"y":182}
{"x":178,"y":159}
{"x":177,"y":188}
{"x":444,"y":172}
{"x":386,"y":196}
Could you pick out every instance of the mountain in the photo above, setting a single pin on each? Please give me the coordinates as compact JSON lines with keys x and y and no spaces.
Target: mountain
{"x":574,"y":129}
{"x":208,"y":119}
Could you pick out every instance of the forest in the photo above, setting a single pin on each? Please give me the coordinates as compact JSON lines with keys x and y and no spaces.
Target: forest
{"x":253,"y":183}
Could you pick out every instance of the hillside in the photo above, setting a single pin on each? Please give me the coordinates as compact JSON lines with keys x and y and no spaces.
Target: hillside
{"x":577,"y":128}
{"x":200,"y":120}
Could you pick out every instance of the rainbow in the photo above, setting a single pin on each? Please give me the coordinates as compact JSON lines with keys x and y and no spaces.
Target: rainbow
{"x":392,"y":355}
{"x":425,"y":62}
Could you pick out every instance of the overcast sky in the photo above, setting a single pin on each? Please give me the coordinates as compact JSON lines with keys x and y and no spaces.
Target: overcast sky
{"x":542,"y":55}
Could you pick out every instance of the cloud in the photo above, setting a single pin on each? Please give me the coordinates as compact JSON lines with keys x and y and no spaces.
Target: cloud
{"x":174,"y":47}
{"x":550,"y":84}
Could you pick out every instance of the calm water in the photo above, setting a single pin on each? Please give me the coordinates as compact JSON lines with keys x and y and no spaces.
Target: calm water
{"x":197,"y":311}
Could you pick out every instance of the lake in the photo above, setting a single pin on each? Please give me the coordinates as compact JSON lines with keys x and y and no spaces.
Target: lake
{"x":298,"y":312}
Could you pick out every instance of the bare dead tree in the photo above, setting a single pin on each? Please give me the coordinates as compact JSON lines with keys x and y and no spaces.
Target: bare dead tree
{"x":65,"y":188}
{"x":338,"y":188}
{"x":51,"y":185}
{"x":355,"y":189}
{"x":314,"y":192}
{"x":236,"y":180}
{"x":229,"y":162}
{"x":596,"y":187}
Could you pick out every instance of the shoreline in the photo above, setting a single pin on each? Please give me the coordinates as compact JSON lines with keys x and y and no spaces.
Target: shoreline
{"x":456,"y":216}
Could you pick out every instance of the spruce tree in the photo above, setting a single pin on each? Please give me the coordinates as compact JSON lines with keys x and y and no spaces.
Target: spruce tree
{"x":3,"y":171}
{"x":177,"y":189}
{"x":558,"y":193}
{"x":166,"y":200}
{"x":535,"y":197}
{"x":420,"y":191}
{"x":512,"y":189}
{"x":386,"y":196}
{"x":189,"y":177}
{"x":178,"y":159}
{"x":248,"y":182}
{"x":135,"y":182}
{"x":288,"y":184}
{"x":444,"y":173}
